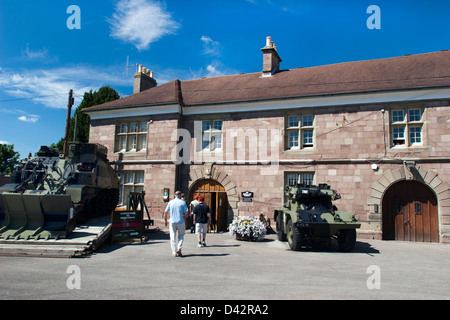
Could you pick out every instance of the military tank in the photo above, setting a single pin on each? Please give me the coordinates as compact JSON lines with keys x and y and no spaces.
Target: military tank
{"x":309,"y":217}
{"x":49,"y":195}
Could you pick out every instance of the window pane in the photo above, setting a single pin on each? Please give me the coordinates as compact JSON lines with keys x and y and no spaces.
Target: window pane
{"x":307,"y":137}
{"x":218,"y":125}
{"x":217,"y":141}
{"x":307,"y":120}
{"x":134,"y":127}
{"x":307,"y":178}
{"x":123,"y":143}
{"x":126,"y":193}
{"x":140,"y":178}
{"x":399,"y":132}
{"x":143,"y":127}
{"x":131,"y":142}
{"x":142,"y":142}
{"x":129,"y":178}
{"x":293,"y":121}
{"x":292,"y":179}
{"x":398,"y":116}
{"x":415,"y":115}
{"x":293,"y":139}
{"x":123,"y":128}
{"x":415,"y":135}
{"x":131,"y":181}
{"x":398,"y":136}
{"x":206,"y":125}
{"x":205,"y":141}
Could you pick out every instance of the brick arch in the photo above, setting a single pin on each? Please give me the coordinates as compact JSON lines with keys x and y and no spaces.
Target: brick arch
{"x":210,"y":172}
{"x":428,"y":177}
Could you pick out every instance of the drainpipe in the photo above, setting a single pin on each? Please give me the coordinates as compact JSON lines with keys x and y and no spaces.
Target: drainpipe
{"x":179,"y":97}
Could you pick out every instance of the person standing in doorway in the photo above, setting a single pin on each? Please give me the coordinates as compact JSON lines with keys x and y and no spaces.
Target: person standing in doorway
{"x":202,"y":218}
{"x":192,"y":205}
{"x":177,"y":211}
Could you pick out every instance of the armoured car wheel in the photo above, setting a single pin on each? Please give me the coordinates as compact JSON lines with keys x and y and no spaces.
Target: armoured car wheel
{"x":293,"y":236}
{"x":346,"y":240}
{"x":280,"y":229}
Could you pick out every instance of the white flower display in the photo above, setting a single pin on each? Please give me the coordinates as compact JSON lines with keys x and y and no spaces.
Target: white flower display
{"x":248,"y":228}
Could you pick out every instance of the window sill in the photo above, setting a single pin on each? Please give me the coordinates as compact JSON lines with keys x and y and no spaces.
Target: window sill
{"x":413,"y":148}
{"x":301,"y":151}
{"x":131,"y":152}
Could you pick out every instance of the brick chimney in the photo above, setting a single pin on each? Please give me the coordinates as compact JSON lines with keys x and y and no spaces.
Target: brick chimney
{"x":143,"y":80}
{"x":271,"y":59}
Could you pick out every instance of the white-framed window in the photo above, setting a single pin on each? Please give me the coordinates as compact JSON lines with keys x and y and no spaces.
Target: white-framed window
{"x":291,"y":179}
{"x":406,"y":127}
{"x":131,"y":136}
{"x":300,"y":131}
{"x":212,"y":135}
{"x":130,"y":181}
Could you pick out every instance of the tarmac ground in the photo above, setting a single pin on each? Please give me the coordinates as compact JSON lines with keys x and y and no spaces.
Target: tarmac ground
{"x":228,"y":269}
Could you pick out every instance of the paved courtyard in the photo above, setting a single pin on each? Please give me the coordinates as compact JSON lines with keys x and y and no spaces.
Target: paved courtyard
{"x":230,"y":269}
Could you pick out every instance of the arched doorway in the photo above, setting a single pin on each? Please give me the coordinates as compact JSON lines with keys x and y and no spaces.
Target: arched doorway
{"x":216,"y":198}
{"x":410,"y":213}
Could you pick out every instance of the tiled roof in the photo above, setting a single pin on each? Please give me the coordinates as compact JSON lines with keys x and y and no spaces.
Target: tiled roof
{"x":411,"y":71}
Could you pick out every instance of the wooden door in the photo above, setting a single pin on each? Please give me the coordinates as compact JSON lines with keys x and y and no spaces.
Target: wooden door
{"x":410,"y":213}
{"x":217,"y":200}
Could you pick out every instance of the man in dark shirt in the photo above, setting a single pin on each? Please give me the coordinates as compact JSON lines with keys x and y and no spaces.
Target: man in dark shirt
{"x":202,"y":217}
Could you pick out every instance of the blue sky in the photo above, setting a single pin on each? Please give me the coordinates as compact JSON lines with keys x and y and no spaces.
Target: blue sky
{"x":41,"y":59}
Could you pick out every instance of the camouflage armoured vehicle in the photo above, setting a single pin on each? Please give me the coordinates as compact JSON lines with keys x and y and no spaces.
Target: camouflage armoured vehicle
{"x":48,"y":195}
{"x":309,"y":216}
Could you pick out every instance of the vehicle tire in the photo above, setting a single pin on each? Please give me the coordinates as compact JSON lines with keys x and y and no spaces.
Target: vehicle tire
{"x":294,"y":237}
{"x":346,"y":240}
{"x":280,"y":228}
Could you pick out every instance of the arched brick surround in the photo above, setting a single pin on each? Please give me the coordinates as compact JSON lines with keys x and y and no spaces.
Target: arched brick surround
{"x":210,"y":172}
{"x":428,"y":177}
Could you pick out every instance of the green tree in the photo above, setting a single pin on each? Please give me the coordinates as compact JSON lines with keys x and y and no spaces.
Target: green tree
{"x":8,"y":159}
{"x":103,"y":95}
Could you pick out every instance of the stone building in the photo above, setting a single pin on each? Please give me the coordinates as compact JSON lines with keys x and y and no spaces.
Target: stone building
{"x":377,"y":131}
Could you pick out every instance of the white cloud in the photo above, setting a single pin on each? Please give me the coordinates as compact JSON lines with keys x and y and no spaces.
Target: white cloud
{"x":210,"y":47}
{"x":214,"y":69}
{"x":50,"y":87}
{"x":4,"y":142}
{"x":141,"y":22}
{"x":31,"y":119}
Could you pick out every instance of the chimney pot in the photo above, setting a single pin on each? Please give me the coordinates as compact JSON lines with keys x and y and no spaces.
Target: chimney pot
{"x":143,"y":80}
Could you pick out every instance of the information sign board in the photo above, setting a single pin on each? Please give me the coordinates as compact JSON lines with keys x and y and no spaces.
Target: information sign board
{"x":127,"y":224}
